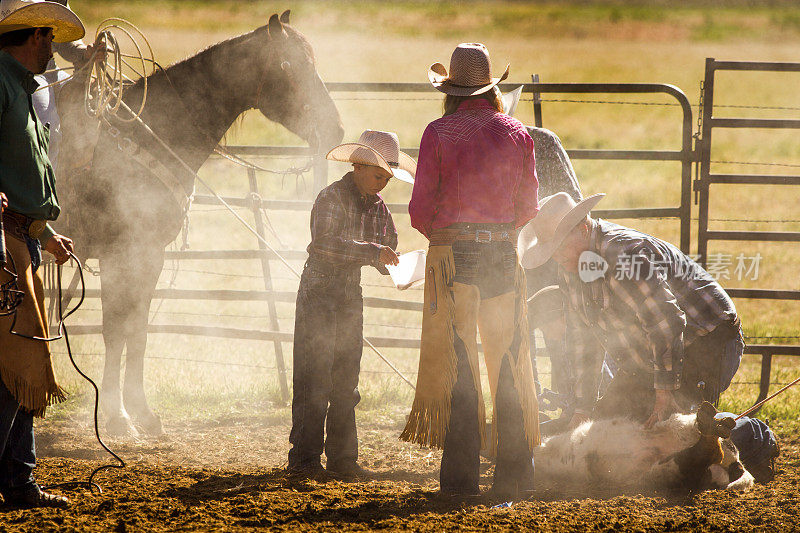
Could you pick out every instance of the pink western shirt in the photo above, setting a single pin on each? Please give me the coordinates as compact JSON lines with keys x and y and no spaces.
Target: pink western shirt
{"x":476,"y":165}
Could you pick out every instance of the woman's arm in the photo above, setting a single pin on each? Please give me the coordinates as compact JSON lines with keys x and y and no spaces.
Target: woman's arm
{"x":421,"y":208}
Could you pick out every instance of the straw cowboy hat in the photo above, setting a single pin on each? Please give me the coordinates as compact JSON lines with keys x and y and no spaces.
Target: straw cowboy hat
{"x":377,"y":149}
{"x":470,"y":72}
{"x":557,"y":215}
{"x":23,"y":14}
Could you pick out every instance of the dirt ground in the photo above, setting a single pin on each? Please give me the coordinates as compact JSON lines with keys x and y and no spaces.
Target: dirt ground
{"x":227,"y":475}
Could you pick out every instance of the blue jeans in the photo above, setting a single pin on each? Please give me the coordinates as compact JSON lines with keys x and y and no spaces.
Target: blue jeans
{"x":327,"y":360}
{"x":17,"y":445}
{"x":18,"y":457}
{"x":710,"y":363}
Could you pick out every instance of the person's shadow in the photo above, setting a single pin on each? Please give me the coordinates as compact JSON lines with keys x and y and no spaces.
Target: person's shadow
{"x":331,"y":501}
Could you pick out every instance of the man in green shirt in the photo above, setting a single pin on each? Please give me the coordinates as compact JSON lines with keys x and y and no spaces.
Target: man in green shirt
{"x":27,"y":186}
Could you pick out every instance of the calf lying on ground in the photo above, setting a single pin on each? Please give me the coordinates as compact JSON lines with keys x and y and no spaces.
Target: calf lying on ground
{"x":692,"y":452}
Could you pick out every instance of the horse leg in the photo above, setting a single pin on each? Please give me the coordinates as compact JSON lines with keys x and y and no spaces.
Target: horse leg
{"x":114,"y":297}
{"x":148,"y":270}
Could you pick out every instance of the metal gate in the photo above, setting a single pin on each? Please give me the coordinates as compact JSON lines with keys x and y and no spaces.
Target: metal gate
{"x":706,"y":178}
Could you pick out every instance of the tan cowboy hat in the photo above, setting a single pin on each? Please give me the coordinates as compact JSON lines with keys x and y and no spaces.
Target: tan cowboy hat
{"x":23,"y":14}
{"x":377,"y":149}
{"x":470,"y":72}
{"x":557,"y":215}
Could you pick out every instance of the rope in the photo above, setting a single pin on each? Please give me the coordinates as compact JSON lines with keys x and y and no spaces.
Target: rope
{"x":757,"y":406}
{"x":62,"y":330}
{"x":297,"y":171}
{"x":105,"y":88}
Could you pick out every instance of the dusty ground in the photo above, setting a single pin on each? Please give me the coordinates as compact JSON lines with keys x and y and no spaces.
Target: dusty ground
{"x":227,"y":475}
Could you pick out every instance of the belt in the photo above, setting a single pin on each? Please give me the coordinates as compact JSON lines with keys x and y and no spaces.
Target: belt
{"x":21,"y":225}
{"x":332,"y":269}
{"x":484,"y":235}
{"x":445,"y":236}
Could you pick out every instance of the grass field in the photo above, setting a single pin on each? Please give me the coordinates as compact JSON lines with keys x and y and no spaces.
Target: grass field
{"x":647,"y":41}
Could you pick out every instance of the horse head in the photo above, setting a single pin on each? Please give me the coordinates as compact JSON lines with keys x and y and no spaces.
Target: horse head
{"x":291,"y":92}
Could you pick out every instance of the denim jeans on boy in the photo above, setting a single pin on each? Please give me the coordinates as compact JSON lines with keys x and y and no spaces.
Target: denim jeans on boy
{"x":490,"y":267}
{"x":17,"y":446}
{"x":327,"y":359}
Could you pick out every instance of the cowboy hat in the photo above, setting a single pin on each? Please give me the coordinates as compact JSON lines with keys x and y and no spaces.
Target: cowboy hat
{"x":470,"y":72}
{"x":557,"y":215}
{"x":23,"y":14}
{"x":377,"y":149}
{"x":511,"y":100}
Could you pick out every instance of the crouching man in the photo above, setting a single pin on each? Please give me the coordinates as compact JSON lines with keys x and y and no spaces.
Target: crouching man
{"x":667,"y":326}
{"x":350,"y":227}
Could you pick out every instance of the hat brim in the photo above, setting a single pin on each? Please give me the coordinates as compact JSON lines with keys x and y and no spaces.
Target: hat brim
{"x":511,"y":101}
{"x":543,"y":293}
{"x":366,"y":155}
{"x":67,"y":27}
{"x":437,"y":74}
{"x":534,"y":252}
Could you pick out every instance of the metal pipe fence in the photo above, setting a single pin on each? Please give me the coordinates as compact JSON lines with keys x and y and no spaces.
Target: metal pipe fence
{"x":705,"y":178}
{"x":685,"y":154}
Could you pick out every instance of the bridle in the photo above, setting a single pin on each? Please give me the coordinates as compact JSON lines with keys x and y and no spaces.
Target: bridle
{"x":285,"y":66}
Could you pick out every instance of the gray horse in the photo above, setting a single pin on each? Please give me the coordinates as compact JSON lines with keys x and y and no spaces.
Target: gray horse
{"x":125,"y":214}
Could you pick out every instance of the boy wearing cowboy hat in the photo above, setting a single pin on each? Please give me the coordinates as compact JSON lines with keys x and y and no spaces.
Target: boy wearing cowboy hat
{"x":351,"y":227}
{"x":476,"y":183}
{"x":27,"y":382}
{"x":669,"y":329}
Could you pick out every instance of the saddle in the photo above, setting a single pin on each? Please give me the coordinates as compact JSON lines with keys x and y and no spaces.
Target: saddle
{"x":83,"y":139}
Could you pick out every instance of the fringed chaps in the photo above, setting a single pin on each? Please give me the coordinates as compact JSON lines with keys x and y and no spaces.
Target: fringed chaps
{"x":503,"y":334}
{"x":507,"y":336}
{"x":430,"y":413}
{"x":25,"y":365}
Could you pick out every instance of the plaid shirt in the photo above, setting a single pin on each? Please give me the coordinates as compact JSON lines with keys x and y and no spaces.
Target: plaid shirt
{"x":651,"y":302}
{"x":347,"y":228}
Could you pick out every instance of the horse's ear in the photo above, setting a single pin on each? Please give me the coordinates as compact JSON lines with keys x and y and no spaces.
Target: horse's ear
{"x":285,"y":16}
{"x":275,"y":27}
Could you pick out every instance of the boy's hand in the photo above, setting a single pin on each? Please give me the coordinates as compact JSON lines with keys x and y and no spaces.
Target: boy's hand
{"x":388,"y":257}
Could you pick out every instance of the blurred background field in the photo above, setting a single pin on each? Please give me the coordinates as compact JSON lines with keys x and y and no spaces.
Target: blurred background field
{"x":586,"y":41}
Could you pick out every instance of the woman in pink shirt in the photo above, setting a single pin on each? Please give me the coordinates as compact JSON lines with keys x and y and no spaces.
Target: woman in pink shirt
{"x":475,"y":186}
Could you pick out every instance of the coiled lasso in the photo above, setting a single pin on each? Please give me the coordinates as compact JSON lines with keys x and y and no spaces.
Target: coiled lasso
{"x":116,"y":71}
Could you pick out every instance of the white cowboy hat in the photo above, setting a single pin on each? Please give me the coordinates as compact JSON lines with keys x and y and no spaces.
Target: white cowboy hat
{"x":557,"y":215}
{"x":511,"y":100}
{"x":470,"y":72}
{"x":377,"y":149}
{"x":23,"y":14}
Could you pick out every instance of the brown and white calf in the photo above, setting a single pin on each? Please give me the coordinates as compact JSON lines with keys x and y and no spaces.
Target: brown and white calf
{"x":687,"y":451}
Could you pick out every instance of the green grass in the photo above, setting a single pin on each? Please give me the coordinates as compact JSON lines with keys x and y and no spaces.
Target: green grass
{"x":579,"y":41}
